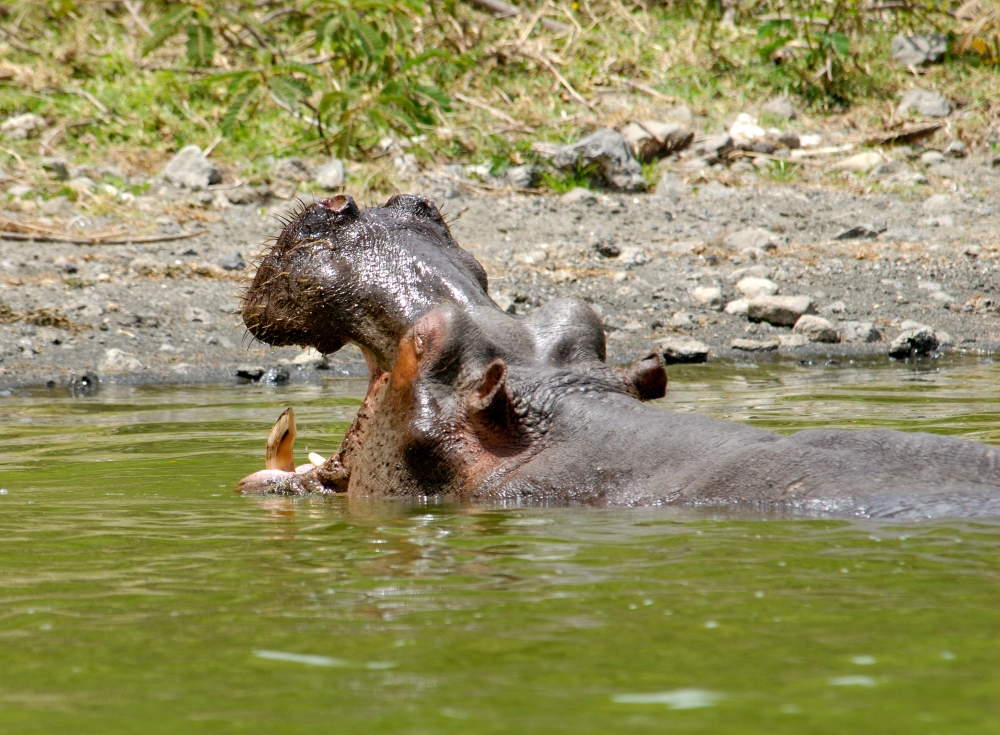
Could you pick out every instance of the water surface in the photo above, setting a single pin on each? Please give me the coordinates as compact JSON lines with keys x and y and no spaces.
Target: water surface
{"x":138,"y":594}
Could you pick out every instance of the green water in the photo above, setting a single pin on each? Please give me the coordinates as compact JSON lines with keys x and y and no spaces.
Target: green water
{"x":139,"y":595}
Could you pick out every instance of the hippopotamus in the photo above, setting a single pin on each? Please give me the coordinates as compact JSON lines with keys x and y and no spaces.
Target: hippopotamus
{"x":462,"y":410}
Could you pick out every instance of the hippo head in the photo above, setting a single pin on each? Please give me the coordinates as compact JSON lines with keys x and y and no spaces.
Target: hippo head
{"x":455,"y":416}
{"x":338,"y":274}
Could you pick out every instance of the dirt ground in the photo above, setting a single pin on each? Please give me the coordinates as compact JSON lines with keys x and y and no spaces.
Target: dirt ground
{"x":167,"y":312}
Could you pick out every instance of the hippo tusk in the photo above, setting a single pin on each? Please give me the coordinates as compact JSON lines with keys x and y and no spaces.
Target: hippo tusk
{"x":278,"y":454}
{"x":316,"y":459}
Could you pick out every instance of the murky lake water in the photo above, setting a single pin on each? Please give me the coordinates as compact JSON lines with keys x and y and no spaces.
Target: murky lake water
{"x":138,"y":594}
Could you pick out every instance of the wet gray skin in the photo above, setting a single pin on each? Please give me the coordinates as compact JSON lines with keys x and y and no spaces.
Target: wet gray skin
{"x":338,"y":274}
{"x":454,"y":421}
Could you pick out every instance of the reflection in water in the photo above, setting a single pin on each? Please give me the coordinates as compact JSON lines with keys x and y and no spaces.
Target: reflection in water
{"x":135,"y":587}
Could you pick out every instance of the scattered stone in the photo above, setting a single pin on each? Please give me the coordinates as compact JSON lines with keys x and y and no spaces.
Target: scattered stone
{"x":59,"y":206}
{"x":941,"y":204}
{"x":752,"y":345}
{"x":147,"y":321}
{"x":745,"y":131}
{"x":942,"y":220}
{"x":82,"y":185}
{"x":707,"y":297}
{"x":714,"y":149}
{"x":578,"y":195}
{"x":861,"y":232}
{"x":312,"y":357}
{"x":860,"y":162}
{"x":782,"y":311}
{"x":816,"y":329}
{"x":752,"y":287}
{"x":331,"y":175}
{"x":737,"y":307}
{"x":889,"y":170}
{"x":671,"y":186}
{"x":780,"y":107}
{"x":931,"y":158}
{"x":522,"y":177}
{"x":650,"y":140}
{"x":682,"y":320}
{"x":611,"y":152}
{"x":23,"y":126}
{"x":292,"y":169}
{"x":956,"y":149}
{"x":854,"y":331}
{"x":57,"y":167}
{"x":65,"y":265}
{"x":917,"y":342}
{"x":925,"y":102}
{"x":197,"y":314}
{"x":751,"y":237}
{"x":680,"y":350}
{"x":679,"y":113}
{"x":790,"y":140}
{"x":252,"y":373}
{"x":190,"y":169}
{"x":233,"y":262}
{"x":244,"y":194}
{"x":918,"y":50}
{"x":83,"y":385}
{"x":19,"y":191}
{"x":793,"y":340}
{"x":942,"y":170}
{"x":117,"y":361}
{"x":606,"y":248}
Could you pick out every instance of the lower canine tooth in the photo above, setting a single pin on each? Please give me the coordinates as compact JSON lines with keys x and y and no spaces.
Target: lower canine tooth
{"x":316,"y":459}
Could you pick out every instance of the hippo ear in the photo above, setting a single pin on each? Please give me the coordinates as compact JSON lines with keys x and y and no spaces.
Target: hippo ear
{"x":649,"y":377}
{"x":490,"y":391}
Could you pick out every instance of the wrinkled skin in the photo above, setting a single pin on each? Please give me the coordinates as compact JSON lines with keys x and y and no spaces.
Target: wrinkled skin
{"x":471,"y":404}
{"x":337,"y":274}
{"x":454,"y":421}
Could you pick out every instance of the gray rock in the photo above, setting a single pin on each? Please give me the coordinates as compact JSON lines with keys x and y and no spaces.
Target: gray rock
{"x":919,"y":50}
{"x":816,"y":329}
{"x":578,"y":195}
{"x":752,"y":287}
{"x":679,"y":113}
{"x":59,"y":206}
{"x":793,"y":340}
{"x":117,"y":361}
{"x":924,"y":102}
{"x":752,"y":345}
{"x":19,"y":190}
{"x":650,"y":139}
{"x":522,"y":177}
{"x":790,"y":140}
{"x":57,"y":167}
{"x":917,"y":342}
{"x":190,"y":169}
{"x":781,"y":107}
{"x":609,"y":150}
{"x":233,"y":262}
{"x":737,"y":307}
{"x":292,"y":169}
{"x":250,"y":372}
{"x":23,"y":126}
{"x":331,"y":175}
{"x":311,"y":357}
{"x":854,"y":331}
{"x":889,"y":170}
{"x":65,"y":265}
{"x":86,"y":384}
{"x":751,"y":237}
{"x":684,"y":350}
{"x":714,"y":149}
{"x":671,"y":186}
{"x":943,"y":170}
{"x":782,"y":311}
{"x":606,"y":248}
{"x":931,"y":158}
{"x":956,"y":149}
{"x":245,"y":194}
{"x":197,"y":314}
{"x":941,"y":204}
{"x":707,"y":297}
{"x":682,"y":320}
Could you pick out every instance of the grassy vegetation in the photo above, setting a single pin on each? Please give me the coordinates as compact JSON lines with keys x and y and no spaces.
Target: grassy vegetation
{"x":131,"y":82}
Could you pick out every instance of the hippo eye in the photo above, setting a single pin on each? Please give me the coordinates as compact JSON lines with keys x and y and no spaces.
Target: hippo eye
{"x":415,"y":205}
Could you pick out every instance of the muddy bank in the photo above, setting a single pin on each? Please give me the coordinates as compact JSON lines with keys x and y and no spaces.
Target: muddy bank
{"x":660,"y":268}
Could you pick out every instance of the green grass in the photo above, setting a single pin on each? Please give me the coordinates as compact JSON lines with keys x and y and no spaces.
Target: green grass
{"x":445,"y":79}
